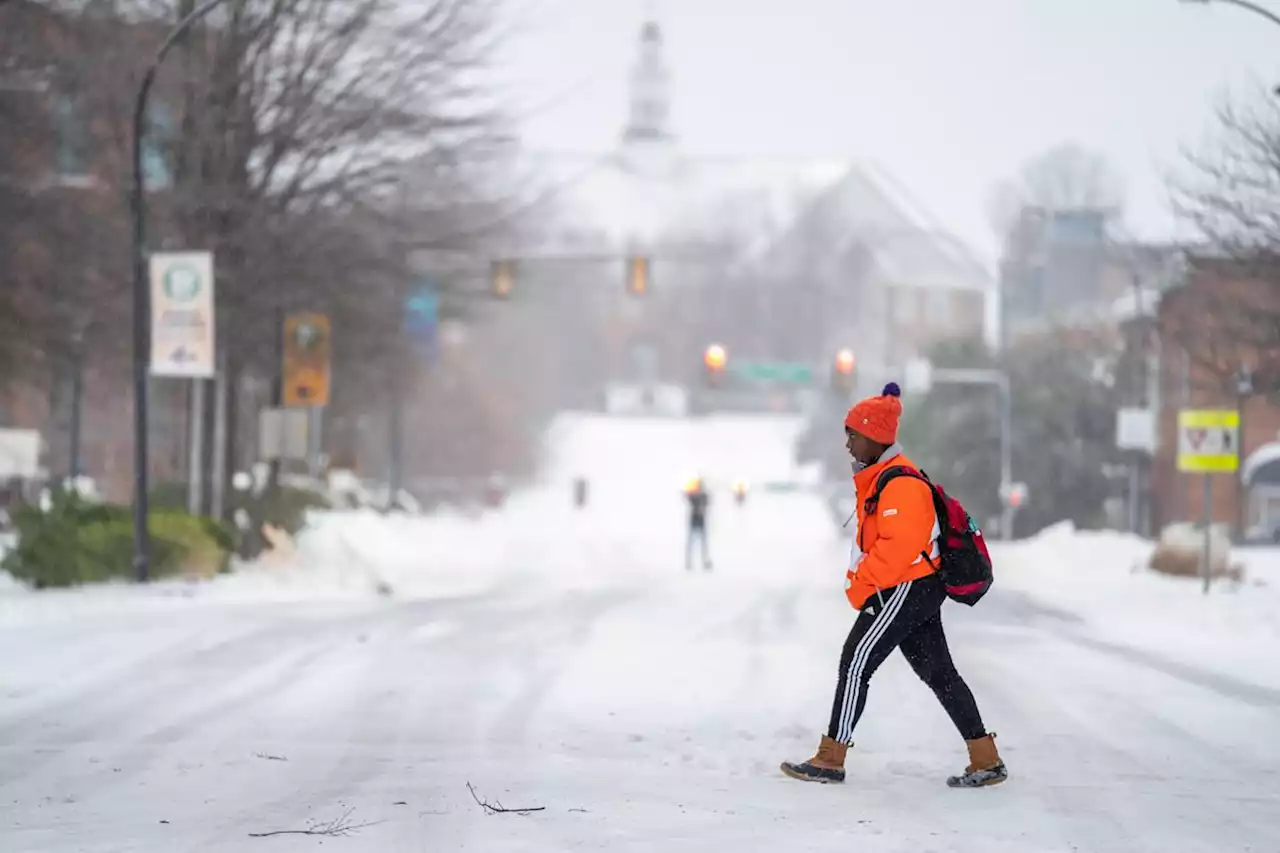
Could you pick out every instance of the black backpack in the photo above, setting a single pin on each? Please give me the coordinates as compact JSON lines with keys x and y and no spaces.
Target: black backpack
{"x":963,"y":559}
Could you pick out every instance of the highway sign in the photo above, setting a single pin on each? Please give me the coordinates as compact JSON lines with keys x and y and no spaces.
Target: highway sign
{"x":777,"y":371}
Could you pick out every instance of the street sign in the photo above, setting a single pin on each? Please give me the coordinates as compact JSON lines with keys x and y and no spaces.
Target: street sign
{"x":1136,"y":429}
{"x":919,"y":376}
{"x":20,"y":454}
{"x":307,"y":352}
{"x":1208,"y":440}
{"x":182,"y":315}
{"x":283,"y":434}
{"x":778,"y":371}
{"x":422,"y":318}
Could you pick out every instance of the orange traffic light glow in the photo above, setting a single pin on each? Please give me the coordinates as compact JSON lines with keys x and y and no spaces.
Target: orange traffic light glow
{"x":638,"y":276}
{"x":715,"y":357}
{"x":844,"y":361}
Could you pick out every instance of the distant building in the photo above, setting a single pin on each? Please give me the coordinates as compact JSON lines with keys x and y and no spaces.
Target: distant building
{"x":66,"y":245}
{"x":776,"y":259}
{"x":1193,"y":335}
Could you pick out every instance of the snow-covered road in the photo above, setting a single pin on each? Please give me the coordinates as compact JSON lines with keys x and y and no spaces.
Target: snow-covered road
{"x":642,"y":717}
{"x":641,"y":708}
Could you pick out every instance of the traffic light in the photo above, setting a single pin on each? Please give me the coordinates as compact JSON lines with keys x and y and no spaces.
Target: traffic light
{"x":306,"y":371}
{"x":715,"y":358}
{"x":637,"y":276}
{"x":843,"y":370}
{"x":502,"y":278}
{"x":1014,"y":495}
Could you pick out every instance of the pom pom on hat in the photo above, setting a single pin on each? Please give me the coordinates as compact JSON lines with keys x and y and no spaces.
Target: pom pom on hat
{"x":891,"y":390}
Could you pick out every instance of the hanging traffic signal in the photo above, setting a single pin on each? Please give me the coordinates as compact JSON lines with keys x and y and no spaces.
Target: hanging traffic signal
{"x":637,"y":276}
{"x":715,"y":358}
{"x":502,"y":278}
{"x":306,"y":373}
{"x":842,"y":374}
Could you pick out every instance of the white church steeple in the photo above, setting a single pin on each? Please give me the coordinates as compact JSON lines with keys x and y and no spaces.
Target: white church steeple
{"x":650,"y":109}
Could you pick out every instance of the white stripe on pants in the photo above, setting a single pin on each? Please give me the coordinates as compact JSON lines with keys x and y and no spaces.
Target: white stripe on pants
{"x":853,"y":681}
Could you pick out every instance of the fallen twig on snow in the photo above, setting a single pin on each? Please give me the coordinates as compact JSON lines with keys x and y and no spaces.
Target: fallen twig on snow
{"x":337,"y":828}
{"x":265,"y":757}
{"x":499,"y":808}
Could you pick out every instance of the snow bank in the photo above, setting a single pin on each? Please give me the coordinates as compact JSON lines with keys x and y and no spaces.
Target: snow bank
{"x":341,"y":556}
{"x":1101,"y":576}
{"x":630,"y":534}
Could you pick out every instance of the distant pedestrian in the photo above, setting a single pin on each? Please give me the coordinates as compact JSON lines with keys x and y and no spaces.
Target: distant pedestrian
{"x":696,"y":495}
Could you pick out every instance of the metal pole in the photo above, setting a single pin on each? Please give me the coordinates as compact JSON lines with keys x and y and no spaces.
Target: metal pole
{"x":396,"y":425}
{"x":277,"y":395}
{"x":1006,"y":455}
{"x":1134,"y":487}
{"x":1208,"y":529}
{"x":1138,"y":338}
{"x":218,"y":485}
{"x":195,"y":448}
{"x":1246,"y":4}
{"x":142,"y":301}
{"x":1006,"y":414}
{"x":315,"y":422}
{"x":77,"y":395}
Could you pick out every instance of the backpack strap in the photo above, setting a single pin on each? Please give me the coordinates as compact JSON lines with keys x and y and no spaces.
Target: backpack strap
{"x":891,"y":473}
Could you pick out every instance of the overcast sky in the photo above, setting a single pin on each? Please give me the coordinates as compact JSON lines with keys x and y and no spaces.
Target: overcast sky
{"x":950,"y":95}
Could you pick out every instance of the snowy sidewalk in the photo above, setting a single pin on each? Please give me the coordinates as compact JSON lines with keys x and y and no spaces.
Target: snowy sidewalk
{"x":1101,"y":578}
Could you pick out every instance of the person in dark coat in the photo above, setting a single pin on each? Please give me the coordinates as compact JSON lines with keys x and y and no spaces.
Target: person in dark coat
{"x":696,"y":495}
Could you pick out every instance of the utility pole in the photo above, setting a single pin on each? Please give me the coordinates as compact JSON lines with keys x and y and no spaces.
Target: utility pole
{"x":77,"y":397}
{"x":1139,"y":395}
{"x":1006,"y":412}
{"x":277,"y":391}
{"x":218,"y":482}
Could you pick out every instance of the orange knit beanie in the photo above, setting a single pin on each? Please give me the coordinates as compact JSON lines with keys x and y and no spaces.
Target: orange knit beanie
{"x":877,"y":417}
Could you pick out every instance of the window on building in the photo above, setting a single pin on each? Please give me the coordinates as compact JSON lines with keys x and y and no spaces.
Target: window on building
{"x":969,"y":310}
{"x":904,"y":306}
{"x":71,"y":138}
{"x":937,"y":307}
{"x":156,"y":147}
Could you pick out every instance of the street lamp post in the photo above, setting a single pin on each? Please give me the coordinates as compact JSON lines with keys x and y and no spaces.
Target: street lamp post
{"x":142,"y":298}
{"x":1243,"y":4}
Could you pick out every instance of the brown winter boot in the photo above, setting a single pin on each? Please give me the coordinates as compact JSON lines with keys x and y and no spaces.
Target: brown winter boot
{"x":827,"y":765}
{"x":985,"y":766}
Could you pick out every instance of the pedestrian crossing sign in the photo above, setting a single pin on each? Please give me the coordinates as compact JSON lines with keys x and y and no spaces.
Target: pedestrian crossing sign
{"x":1208,"y":441}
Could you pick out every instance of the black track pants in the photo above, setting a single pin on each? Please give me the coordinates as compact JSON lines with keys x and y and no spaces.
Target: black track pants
{"x":910,"y":618}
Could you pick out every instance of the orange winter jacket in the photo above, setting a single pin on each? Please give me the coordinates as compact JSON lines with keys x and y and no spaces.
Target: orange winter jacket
{"x":889,"y":545}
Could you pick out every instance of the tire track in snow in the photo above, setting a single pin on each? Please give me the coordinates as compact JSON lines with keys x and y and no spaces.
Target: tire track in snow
{"x":163,"y":701}
{"x":1110,"y":751}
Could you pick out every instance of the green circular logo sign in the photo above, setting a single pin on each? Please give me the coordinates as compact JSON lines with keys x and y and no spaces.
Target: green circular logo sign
{"x":181,"y":283}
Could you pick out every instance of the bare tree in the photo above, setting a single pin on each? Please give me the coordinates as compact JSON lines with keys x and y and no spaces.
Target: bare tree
{"x":1065,"y":177}
{"x":1230,"y":319}
{"x":311,"y":144}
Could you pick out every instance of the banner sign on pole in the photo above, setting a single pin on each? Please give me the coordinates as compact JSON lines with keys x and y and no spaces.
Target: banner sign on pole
{"x":1208,"y":441}
{"x":182,"y":315}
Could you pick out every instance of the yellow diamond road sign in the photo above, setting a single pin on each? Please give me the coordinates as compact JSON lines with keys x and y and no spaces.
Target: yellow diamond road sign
{"x":1208,"y":441}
